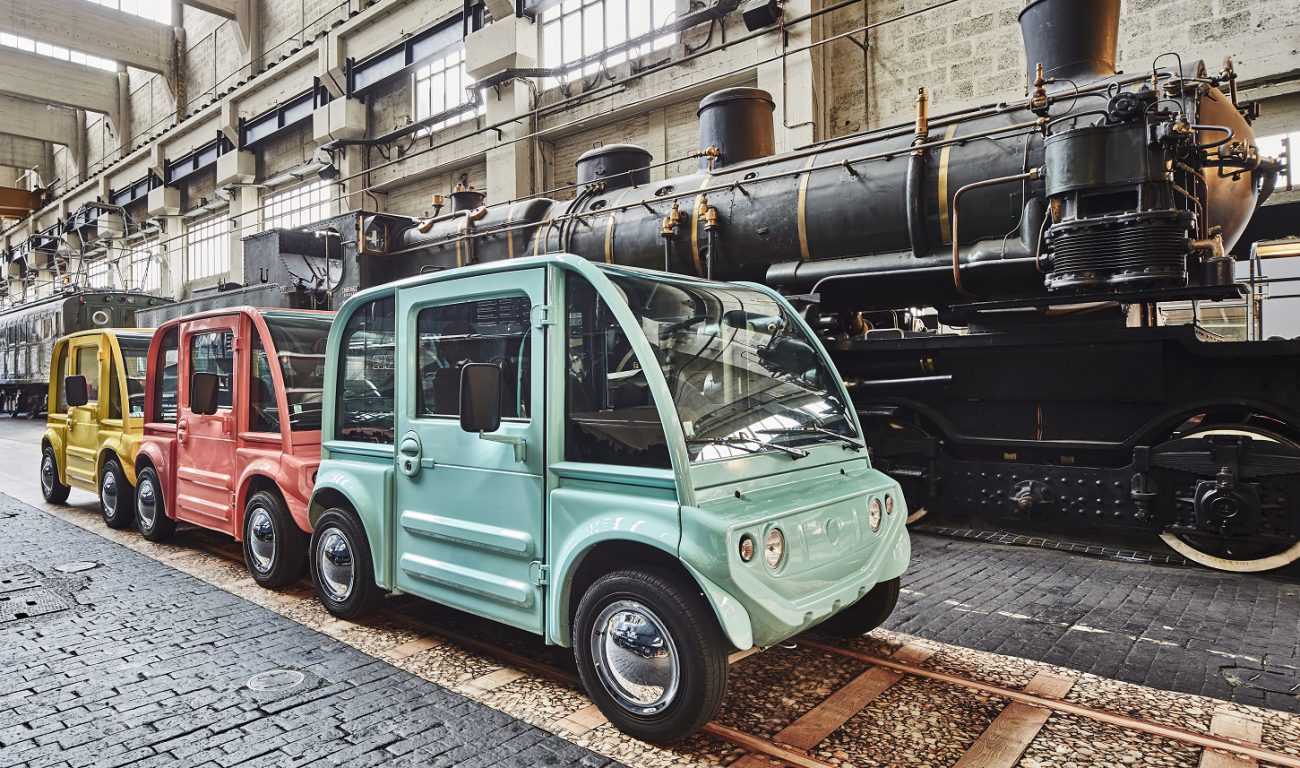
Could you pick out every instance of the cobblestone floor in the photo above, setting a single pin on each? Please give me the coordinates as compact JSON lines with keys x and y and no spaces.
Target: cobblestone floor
{"x":129,"y":662}
{"x":1188,"y":629}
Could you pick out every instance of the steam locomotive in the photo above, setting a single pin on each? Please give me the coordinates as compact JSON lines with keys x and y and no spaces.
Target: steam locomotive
{"x":1046,"y":230}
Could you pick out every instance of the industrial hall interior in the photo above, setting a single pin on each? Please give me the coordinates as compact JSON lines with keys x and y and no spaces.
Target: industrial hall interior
{"x":650,"y":383}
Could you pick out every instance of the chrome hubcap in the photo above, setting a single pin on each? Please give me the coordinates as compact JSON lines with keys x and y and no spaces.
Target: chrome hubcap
{"x":146,"y":503}
{"x":261,"y":539}
{"x":335,"y":565}
{"x":108,"y":493}
{"x":47,"y":474}
{"x":635,"y":657}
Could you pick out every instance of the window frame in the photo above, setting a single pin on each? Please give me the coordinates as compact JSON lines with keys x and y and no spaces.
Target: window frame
{"x":192,"y":369}
{"x":157,"y":370}
{"x":214,"y":232}
{"x":341,"y":354}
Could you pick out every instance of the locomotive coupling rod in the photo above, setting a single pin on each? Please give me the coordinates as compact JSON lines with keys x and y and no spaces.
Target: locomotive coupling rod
{"x":1031,"y":175}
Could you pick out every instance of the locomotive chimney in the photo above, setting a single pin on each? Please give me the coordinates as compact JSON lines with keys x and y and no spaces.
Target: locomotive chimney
{"x":1073,"y":39}
{"x":737,"y":122}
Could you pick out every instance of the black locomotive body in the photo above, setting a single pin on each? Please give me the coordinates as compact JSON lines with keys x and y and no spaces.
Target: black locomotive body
{"x":1046,"y":231}
{"x":28,"y":332}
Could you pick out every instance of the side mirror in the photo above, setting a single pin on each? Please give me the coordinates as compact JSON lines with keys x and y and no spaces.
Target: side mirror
{"x":203,"y":393}
{"x":480,"y":397}
{"x":75,"y":391}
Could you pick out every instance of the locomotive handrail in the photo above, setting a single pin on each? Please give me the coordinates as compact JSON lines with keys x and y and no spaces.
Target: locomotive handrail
{"x":1030,"y":175}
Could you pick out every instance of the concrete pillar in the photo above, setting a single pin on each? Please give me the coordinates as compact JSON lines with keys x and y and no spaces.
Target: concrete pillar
{"x":507,"y":43}
{"x":243,"y":216}
{"x":794,"y":80}
{"x":122,"y":120}
{"x":172,"y":261}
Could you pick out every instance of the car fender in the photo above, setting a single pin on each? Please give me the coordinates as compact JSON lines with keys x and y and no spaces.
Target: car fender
{"x":368,"y":490}
{"x":55,"y":441}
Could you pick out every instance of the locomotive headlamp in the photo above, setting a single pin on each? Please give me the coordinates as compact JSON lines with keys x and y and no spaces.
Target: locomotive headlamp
{"x":873,"y":514}
{"x":746,"y":548}
{"x":889,"y":504}
{"x":774,"y":548}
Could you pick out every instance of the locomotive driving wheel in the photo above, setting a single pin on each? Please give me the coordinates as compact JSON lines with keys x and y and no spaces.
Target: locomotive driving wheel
{"x":1235,"y":525}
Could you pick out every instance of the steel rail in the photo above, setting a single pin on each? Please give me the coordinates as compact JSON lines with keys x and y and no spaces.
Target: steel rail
{"x":1110,"y":718}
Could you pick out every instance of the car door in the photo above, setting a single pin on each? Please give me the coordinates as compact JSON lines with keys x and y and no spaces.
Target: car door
{"x":470,"y":525}
{"x":205,"y":443}
{"x":86,"y":357}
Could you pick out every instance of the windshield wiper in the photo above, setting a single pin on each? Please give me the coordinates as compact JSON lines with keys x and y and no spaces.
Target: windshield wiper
{"x":733,"y":441}
{"x":810,"y":429}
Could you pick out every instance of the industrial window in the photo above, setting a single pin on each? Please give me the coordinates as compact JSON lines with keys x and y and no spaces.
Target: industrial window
{"x":442,"y":86}
{"x":366,"y":389}
{"x":98,"y":274}
{"x":493,"y":331}
{"x":207,"y":248}
{"x":55,"y":51}
{"x":155,"y":10}
{"x":297,"y":206}
{"x":577,"y":29}
{"x":1283,"y":147}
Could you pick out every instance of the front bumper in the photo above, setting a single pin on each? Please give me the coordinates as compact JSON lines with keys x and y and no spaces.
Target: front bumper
{"x":832,"y":558}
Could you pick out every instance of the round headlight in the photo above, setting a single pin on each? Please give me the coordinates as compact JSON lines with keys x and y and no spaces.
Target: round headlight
{"x":889,"y":504}
{"x":873,"y":514}
{"x":774,"y":548}
{"x":746,"y":548}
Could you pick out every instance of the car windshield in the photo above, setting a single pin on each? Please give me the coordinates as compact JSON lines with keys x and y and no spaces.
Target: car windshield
{"x":745,"y":377}
{"x":300,"y":347}
{"x":135,"y":357}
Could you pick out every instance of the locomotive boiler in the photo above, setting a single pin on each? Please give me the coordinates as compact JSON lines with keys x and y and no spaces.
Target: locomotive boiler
{"x":1048,"y":230}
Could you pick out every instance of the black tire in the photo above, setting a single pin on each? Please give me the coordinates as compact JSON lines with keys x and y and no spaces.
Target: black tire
{"x":339,"y":543}
{"x":866,"y":614}
{"x":275,"y":548}
{"x":686,"y":625}
{"x":52,"y":488}
{"x":116,"y":496}
{"x":151,"y":507}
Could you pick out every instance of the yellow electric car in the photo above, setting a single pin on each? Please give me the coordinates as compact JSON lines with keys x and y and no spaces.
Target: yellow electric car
{"x":96,"y":418}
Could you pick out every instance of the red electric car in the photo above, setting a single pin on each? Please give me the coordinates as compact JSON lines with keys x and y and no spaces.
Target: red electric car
{"x":232,"y":431}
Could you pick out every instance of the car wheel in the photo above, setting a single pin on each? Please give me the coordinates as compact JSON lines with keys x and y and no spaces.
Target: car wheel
{"x":274,"y":545}
{"x":116,"y":497}
{"x":52,"y":488}
{"x":341,"y":568}
{"x":650,"y":654}
{"x":866,"y":614}
{"x":150,"y":507}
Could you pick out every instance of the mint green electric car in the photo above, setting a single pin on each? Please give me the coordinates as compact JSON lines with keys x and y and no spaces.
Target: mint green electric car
{"x":652,"y":469}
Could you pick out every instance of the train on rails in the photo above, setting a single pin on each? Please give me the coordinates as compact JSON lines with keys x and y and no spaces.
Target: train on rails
{"x":28,"y":332}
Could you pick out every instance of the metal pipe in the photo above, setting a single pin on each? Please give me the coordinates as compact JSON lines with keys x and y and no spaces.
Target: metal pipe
{"x":1029,"y":175}
{"x":1110,"y":718}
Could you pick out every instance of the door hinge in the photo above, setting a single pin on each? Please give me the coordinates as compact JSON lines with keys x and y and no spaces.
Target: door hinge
{"x":539,"y":571}
{"x":543,"y":315}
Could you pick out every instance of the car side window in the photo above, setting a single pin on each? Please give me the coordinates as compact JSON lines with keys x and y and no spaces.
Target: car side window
{"x":166,"y":390}
{"x":263,"y":416}
{"x":87,"y":364}
{"x":212,"y":352}
{"x":114,"y":390}
{"x":59,"y":369}
{"x":610,"y":413}
{"x":495,"y":331}
{"x":366,"y":369}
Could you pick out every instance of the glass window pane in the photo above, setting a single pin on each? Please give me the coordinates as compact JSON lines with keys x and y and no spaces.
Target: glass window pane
{"x":365,"y":407}
{"x":263,"y":413}
{"x":212,"y":353}
{"x":88,"y":366}
{"x":495,"y":331}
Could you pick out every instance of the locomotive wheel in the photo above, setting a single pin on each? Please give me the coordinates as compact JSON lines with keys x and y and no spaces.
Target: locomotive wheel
{"x":341,"y":568}
{"x":52,"y":488}
{"x":116,"y":496}
{"x":866,"y":614}
{"x":150,"y":507}
{"x":1236,"y":554}
{"x":650,"y":654}
{"x":274,"y":547}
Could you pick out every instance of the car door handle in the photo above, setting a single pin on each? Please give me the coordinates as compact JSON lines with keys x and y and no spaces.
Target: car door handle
{"x":409,"y":459}
{"x":182,"y":433}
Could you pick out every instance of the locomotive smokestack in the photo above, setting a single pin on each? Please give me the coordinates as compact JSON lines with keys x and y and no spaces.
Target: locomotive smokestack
{"x":1073,"y":39}
{"x":737,"y":122}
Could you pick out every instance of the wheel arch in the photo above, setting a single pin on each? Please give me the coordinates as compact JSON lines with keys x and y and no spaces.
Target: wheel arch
{"x":330,"y":493}
{"x":604,"y":556}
